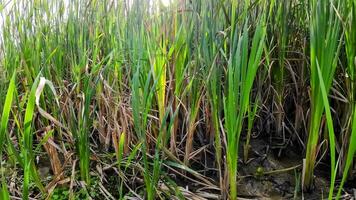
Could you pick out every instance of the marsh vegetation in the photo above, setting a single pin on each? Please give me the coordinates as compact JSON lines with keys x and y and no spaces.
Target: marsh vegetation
{"x":177,"y":99}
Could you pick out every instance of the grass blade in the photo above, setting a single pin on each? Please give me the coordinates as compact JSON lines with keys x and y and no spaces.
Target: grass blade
{"x":3,"y":130}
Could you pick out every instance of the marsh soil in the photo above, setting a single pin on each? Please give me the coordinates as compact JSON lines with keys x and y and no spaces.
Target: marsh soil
{"x":275,"y":174}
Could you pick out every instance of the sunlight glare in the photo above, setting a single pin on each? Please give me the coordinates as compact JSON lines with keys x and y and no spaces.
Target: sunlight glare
{"x":166,"y":3}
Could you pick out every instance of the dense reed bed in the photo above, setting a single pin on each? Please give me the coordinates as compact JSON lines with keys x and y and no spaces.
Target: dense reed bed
{"x":177,"y":99}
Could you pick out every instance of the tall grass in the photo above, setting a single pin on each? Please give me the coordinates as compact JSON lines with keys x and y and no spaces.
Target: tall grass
{"x":3,"y":129}
{"x":30,"y":170}
{"x":324,"y":48}
{"x":350,"y":41}
{"x":180,"y":56}
{"x":163,"y":94}
{"x":140,"y":120}
{"x":210,"y":45}
{"x":241,"y":72}
{"x":280,"y":30}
